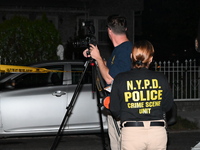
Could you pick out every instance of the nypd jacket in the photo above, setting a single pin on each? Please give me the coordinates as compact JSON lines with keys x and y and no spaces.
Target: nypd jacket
{"x":140,"y":95}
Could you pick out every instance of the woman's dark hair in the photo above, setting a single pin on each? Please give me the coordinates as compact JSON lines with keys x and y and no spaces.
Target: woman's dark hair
{"x":142,"y":54}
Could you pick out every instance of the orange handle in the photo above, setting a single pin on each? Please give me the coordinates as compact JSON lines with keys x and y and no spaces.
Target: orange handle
{"x":106,"y":102}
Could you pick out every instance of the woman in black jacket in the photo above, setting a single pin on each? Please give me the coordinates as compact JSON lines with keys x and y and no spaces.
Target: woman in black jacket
{"x":139,"y":98}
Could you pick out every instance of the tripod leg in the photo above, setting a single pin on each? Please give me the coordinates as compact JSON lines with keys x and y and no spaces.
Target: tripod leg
{"x":97,"y":81}
{"x":69,"y":108}
{"x":101,"y":123}
{"x":101,"y":90}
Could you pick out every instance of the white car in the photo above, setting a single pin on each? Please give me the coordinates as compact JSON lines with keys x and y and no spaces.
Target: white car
{"x":35,"y":103}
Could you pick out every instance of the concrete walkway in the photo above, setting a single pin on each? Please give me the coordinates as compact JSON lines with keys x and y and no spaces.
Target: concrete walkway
{"x":193,"y":116}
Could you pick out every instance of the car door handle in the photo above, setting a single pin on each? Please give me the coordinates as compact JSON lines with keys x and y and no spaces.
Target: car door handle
{"x":59,"y":93}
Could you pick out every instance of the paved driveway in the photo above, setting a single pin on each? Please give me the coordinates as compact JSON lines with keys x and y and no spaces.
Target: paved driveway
{"x":183,"y":140}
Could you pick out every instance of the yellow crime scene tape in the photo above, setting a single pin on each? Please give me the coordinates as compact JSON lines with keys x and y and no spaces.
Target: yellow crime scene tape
{"x":25,"y":69}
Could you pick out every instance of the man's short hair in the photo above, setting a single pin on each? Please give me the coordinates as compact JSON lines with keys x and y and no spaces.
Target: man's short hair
{"x":117,"y":24}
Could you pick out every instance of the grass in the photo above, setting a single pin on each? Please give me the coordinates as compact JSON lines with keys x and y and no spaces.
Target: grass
{"x":183,"y":124}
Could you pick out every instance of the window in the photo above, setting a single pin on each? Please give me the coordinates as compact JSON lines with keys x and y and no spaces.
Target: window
{"x":100,"y":28}
{"x":102,"y":31}
{"x":77,"y":71}
{"x":30,"y":80}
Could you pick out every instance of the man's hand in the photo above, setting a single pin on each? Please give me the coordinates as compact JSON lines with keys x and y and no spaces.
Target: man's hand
{"x":94,"y":52}
{"x":86,"y":53}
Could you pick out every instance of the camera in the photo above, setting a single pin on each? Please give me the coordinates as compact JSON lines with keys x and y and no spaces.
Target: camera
{"x":83,"y":40}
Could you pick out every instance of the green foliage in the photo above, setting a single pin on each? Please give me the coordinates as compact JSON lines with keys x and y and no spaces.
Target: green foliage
{"x":23,"y":41}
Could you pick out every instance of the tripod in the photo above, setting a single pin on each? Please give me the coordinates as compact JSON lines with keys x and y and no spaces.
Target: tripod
{"x":73,"y":100}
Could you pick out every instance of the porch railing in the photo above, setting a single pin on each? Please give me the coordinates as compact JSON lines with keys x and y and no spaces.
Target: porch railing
{"x":184,"y":78}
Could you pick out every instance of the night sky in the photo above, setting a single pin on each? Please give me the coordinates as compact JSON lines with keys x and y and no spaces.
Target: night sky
{"x":171,"y":26}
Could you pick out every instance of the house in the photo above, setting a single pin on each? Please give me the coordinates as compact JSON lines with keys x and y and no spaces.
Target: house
{"x":68,"y":16}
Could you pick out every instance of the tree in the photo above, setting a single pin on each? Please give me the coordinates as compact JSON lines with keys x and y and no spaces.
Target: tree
{"x":23,"y":41}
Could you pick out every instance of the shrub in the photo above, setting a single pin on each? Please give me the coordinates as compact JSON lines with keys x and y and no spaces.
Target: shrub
{"x":23,"y":41}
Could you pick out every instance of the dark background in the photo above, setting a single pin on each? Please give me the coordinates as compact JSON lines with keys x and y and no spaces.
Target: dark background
{"x":172,"y":26}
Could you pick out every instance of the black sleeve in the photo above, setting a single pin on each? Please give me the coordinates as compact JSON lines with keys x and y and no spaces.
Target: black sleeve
{"x":115,"y":99}
{"x":168,"y":99}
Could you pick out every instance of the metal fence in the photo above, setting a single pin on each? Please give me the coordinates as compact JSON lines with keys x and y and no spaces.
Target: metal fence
{"x":184,"y":78}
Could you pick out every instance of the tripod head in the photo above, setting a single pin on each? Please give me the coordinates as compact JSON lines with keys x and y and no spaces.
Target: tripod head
{"x":86,"y":36}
